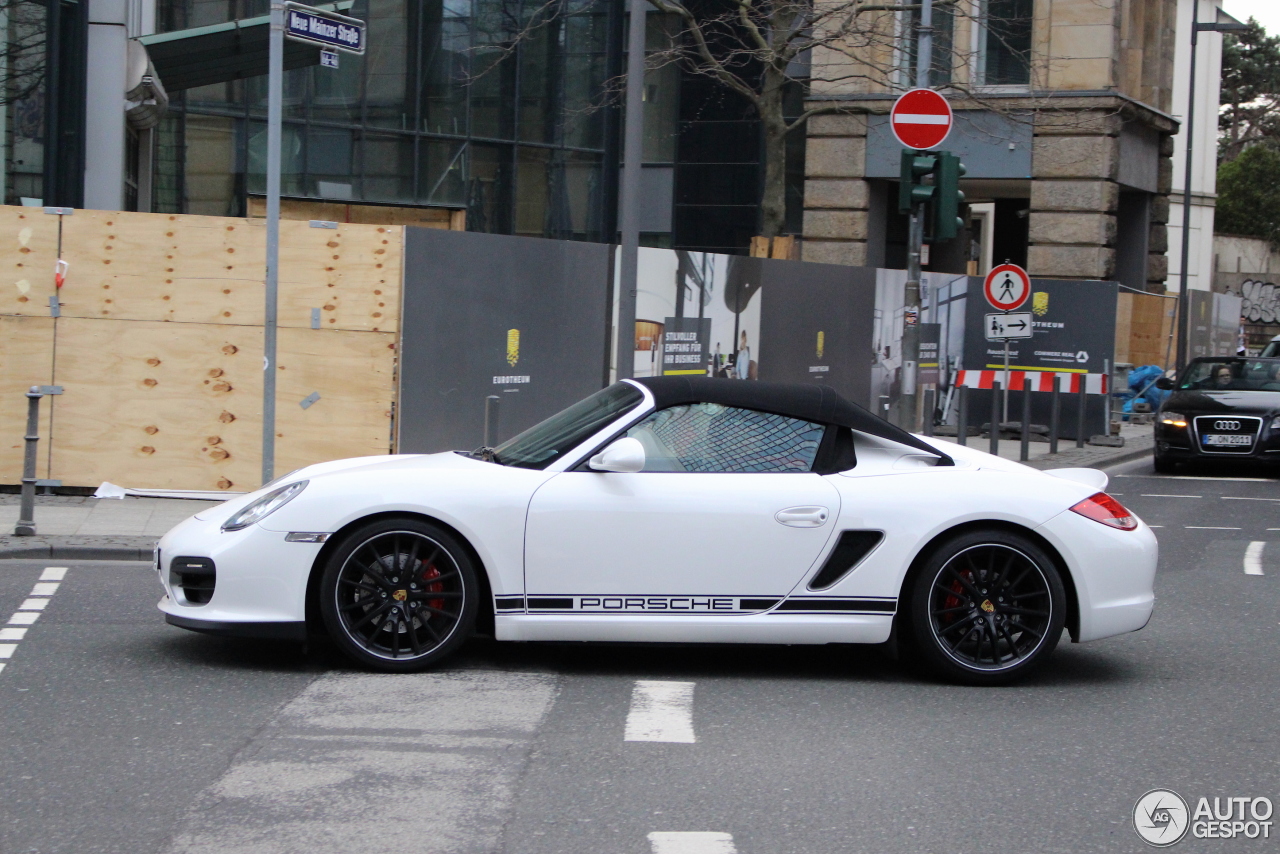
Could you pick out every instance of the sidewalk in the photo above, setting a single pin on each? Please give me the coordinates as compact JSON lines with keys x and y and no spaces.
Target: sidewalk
{"x":72,"y":527}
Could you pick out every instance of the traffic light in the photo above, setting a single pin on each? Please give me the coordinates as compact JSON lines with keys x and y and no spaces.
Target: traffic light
{"x":947,"y":197}
{"x":915,"y":167}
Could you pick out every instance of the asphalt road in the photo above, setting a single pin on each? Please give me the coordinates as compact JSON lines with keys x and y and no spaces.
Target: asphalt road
{"x":121,"y":734}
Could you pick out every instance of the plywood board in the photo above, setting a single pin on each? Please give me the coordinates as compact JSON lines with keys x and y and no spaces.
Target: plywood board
{"x":142,"y":266}
{"x":1150,"y":325}
{"x":28,"y":250}
{"x":26,"y":359}
{"x":307,"y":209}
{"x":158,"y":405}
{"x":354,"y":375}
{"x":1124,"y":316}
{"x":198,"y":269}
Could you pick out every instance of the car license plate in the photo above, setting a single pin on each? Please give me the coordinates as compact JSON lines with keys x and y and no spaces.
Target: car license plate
{"x":1229,"y":440}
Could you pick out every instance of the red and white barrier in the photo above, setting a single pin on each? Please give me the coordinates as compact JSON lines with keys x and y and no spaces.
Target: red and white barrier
{"x":1040,"y":380}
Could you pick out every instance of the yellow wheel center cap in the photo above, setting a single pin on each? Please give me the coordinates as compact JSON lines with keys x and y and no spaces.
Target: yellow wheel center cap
{"x":987,"y":606}
{"x":400,"y":595}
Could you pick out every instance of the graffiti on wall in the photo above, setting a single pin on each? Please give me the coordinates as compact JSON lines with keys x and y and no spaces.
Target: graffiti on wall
{"x":1261,"y":300}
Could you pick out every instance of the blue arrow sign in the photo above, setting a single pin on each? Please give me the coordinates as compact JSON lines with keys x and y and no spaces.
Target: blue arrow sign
{"x":305,"y":24}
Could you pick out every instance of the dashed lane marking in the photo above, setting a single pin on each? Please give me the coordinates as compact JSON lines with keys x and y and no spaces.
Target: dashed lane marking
{"x":1243,"y":498}
{"x":691,"y":842}
{"x":1158,"y":495}
{"x":1195,"y":477}
{"x":1253,"y":558}
{"x":1209,"y":528}
{"x":29,"y":611}
{"x":661,"y":711}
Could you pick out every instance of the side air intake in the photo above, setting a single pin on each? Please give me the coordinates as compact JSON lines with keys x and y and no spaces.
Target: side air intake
{"x":852,"y":547}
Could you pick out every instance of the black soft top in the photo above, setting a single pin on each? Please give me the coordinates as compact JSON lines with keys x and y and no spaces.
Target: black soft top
{"x":817,"y":403}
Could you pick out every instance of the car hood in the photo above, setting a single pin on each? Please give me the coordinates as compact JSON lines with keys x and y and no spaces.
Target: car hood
{"x":1215,"y":402}
{"x":399,"y":462}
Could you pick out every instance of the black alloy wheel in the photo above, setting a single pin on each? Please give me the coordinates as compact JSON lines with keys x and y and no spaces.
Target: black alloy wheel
{"x":987,"y":609}
{"x":399,"y":595}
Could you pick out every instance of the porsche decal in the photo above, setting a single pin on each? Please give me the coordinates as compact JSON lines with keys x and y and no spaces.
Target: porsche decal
{"x":729,"y":605}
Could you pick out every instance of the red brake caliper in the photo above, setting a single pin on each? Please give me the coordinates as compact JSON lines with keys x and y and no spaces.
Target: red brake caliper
{"x":438,"y":587}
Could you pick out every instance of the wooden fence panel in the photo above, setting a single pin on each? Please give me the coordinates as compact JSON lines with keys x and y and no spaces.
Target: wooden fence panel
{"x":26,"y":359}
{"x":150,"y":404}
{"x":28,"y":250}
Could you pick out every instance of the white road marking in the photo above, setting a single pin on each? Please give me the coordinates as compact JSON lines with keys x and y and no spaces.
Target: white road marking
{"x":691,"y":842}
{"x":1155,"y":526}
{"x":24,"y":618}
{"x":12,"y":634}
{"x":1196,"y":477}
{"x":33,"y":605}
{"x":53,"y":573}
{"x":1209,"y":528}
{"x":1253,"y":558}
{"x":45,"y":589}
{"x":1158,"y":495}
{"x":7,"y":649}
{"x":1242,"y":498}
{"x":29,"y":611}
{"x":661,"y":711}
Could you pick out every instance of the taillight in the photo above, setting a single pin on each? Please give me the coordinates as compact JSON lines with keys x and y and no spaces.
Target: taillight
{"x":1105,"y":509}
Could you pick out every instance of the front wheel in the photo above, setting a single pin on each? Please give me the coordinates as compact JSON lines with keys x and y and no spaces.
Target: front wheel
{"x":1163,"y":465}
{"x":988,"y":608}
{"x":399,"y":595}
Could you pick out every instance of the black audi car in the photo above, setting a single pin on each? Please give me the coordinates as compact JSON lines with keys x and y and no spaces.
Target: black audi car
{"x":1221,"y":408}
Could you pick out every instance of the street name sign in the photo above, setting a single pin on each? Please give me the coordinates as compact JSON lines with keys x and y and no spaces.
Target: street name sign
{"x":1002,"y":327}
{"x":327,"y":29}
{"x":921,"y":119}
{"x":1007,"y":287}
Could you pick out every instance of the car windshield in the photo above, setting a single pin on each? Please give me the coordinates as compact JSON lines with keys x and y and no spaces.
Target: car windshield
{"x":544,"y":443}
{"x":1272,"y":349}
{"x":1232,"y":375}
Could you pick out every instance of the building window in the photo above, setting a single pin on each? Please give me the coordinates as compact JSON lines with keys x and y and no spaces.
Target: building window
{"x":1004,"y":48}
{"x":943,"y":46}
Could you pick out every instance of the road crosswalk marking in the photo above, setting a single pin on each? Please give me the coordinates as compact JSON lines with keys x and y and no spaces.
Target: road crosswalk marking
{"x":29,"y":611}
{"x":661,"y":711}
{"x":691,"y":842}
{"x":1253,"y":558}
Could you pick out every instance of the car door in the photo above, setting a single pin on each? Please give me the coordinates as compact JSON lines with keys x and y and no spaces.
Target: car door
{"x":726,"y":516}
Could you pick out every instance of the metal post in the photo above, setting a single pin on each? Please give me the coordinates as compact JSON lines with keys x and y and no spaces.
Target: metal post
{"x":491,"y":404}
{"x":275,"y":110}
{"x":962,"y":415}
{"x":911,"y":317}
{"x":1024,"y":453}
{"x":1004,"y":409}
{"x":629,"y":216}
{"x":26,"y":526}
{"x":1083,"y":397}
{"x":930,"y":398}
{"x":1187,"y":129}
{"x":995,"y":419}
{"x":1055,"y":414}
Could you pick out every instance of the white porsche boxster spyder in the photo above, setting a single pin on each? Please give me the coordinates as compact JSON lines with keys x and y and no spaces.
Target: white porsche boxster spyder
{"x":676,"y":509}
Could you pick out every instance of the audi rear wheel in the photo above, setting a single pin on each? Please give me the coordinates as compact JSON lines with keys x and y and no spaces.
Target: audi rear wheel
{"x":399,"y":595}
{"x":987,"y":609}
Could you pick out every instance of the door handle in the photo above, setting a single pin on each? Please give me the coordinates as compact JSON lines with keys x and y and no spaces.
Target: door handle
{"x":803,"y":517}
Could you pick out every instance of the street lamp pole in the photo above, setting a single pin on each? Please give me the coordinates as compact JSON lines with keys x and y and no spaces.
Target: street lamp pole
{"x":1224,"y":24}
{"x":275,"y":109}
{"x":907,"y":405}
{"x":629,"y":215}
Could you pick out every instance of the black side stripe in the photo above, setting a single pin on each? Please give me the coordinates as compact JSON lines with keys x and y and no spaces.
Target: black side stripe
{"x":549,"y":603}
{"x":815,"y":605}
{"x":509,"y":603}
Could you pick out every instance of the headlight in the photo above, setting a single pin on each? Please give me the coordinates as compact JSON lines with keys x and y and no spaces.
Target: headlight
{"x":1173,"y":419}
{"x":264,"y":506}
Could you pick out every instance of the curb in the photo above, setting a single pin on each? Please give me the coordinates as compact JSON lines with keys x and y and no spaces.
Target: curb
{"x":1125,"y":455}
{"x":51,"y":552}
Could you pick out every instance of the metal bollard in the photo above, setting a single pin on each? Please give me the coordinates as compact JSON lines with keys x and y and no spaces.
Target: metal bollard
{"x":930,"y":396}
{"x":1083,"y":397}
{"x":26,"y":526}
{"x":491,"y":404}
{"x":962,"y":415}
{"x":1055,"y":414}
{"x":1024,"y":453}
{"x":995,"y":419}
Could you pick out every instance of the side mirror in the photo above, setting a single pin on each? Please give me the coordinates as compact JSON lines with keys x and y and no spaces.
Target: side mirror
{"x":1165,"y":384}
{"x":624,"y":455}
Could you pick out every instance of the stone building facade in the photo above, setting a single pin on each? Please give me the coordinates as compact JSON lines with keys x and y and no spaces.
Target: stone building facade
{"x":1062,"y":120}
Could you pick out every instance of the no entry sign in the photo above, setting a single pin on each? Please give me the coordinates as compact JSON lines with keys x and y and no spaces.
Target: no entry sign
{"x":921,"y":119}
{"x":1007,"y":287}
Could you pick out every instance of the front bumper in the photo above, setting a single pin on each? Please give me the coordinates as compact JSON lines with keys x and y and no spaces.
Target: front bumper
{"x":265,"y":631}
{"x":261,"y":579}
{"x":1179,"y":443}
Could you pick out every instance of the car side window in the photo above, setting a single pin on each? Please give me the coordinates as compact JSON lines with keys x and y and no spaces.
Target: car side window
{"x":708,"y":437}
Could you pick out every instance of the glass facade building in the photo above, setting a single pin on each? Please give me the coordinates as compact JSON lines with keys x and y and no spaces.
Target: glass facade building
{"x":466,"y":104}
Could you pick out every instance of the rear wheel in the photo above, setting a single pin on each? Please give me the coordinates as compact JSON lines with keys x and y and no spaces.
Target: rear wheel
{"x":399,"y":595}
{"x":987,"y":609}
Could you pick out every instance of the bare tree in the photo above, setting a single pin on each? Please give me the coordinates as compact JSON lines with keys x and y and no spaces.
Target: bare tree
{"x":22,"y":47}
